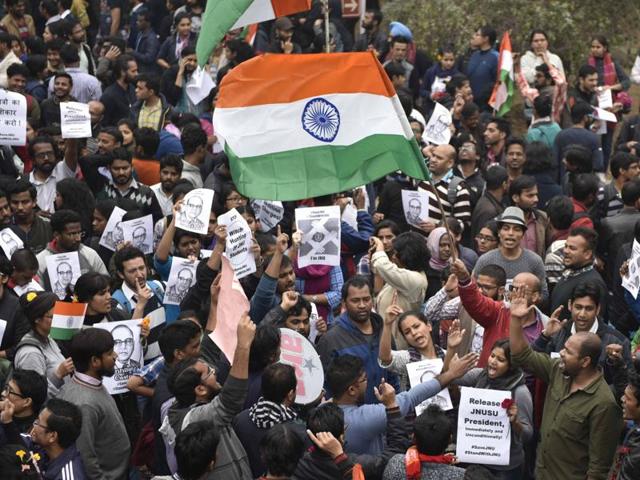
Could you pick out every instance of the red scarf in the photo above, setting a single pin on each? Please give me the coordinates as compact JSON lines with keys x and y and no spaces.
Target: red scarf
{"x":413,"y":461}
{"x":609,"y":68}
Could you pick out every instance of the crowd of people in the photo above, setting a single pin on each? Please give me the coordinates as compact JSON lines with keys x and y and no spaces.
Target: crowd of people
{"x":522,"y":276}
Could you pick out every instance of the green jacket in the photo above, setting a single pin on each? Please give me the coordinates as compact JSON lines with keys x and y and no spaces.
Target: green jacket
{"x":579,"y":430}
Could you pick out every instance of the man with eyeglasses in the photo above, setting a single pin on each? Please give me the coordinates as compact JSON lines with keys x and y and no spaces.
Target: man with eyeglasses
{"x":21,"y":399}
{"x":53,"y":436}
{"x":67,"y":237}
{"x":47,"y":171}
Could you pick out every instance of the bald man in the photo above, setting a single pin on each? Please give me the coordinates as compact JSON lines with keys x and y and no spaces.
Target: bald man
{"x":581,"y":418}
{"x":536,"y":321}
{"x":453,"y":192}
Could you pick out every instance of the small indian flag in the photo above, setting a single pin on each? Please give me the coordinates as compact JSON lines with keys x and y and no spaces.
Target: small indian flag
{"x":67,"y":319}
{"x":502,"y":93}
{"x":221,"y":16}
{"x":300,"y":126}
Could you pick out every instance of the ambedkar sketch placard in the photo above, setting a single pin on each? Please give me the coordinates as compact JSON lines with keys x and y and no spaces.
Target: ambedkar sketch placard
{"x":195,"y":210}
{"x":10,"y":242}
{"x":422,"y":371}
{"x":113,"y":235}
{"x":127,"y":346}
{"x":181,"y":278}
{"x":63,"y":270}
{"x":139,"y":232}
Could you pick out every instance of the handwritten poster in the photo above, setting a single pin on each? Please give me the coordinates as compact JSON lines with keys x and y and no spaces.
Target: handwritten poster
{"x":13,"y":118}
{"x":238,"y":244}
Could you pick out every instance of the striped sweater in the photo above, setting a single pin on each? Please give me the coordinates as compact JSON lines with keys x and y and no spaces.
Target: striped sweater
{"x":461,"y":208}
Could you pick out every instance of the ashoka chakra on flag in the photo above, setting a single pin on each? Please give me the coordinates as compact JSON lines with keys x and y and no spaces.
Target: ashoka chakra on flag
{"x":321,"y":119}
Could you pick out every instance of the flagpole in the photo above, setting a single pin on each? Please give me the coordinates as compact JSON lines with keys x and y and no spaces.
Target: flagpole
{"x":325,"y":6}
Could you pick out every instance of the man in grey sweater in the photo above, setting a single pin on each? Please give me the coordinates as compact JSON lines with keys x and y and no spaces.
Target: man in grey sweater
{"x":199,"y":396}
{"x":510,"y":255}
{"x":103,"y":442}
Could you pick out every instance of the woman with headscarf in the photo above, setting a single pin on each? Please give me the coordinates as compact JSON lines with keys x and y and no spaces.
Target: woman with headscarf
{"x":440,"y":246}
{"x":403,"y":273}
{"x":37,"y":351}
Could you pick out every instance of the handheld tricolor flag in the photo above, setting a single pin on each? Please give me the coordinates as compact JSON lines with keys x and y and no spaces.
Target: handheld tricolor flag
{"x":221,"y":16}
{"x":300,"y":126}
{"x":67,"y":319}
{"x":502,"y":94}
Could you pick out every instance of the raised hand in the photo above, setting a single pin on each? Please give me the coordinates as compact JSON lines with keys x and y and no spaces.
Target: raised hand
{"x":520,"y":307}
{"x":459,"y":269}
{"x":359,"y":198}
{"x":554,"y":325}
{"x":282,"y":241}
{"x":289,"y":299}
{"x":454,"y":339}
{"x":321,"y":325}
{"x":512,"y":412}
{"x":214,"y":290}
{"x":614,"y":352}
{"x":326,"y":442}
{"x":246,"y":331}
{"x":459,"y":366}
{"x":451,"y":286}
{"x":385,"y":394}
{"x":220,"y":233}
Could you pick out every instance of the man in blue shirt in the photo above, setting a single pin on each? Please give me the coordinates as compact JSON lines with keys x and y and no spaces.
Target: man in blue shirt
{"x":483,"y":66}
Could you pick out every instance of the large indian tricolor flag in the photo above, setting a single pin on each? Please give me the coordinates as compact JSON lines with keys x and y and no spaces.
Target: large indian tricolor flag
{"x":220,"y":16}
{"x":67,"y":319}
{"x":300,"y":126}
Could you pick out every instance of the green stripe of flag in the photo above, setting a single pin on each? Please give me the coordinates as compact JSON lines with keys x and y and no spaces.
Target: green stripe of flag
{"x":219,"y":16}
{"x":314,"y":171}
{"x":63,"y":333}
{"x":505,"y":77}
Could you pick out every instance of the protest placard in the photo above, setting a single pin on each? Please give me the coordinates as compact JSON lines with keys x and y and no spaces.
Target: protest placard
{"x":297,"y":351}
{"x":182,"y":276}
{"x":112,"y":234}
{"x":13,"y":118}
{"x":232,"y":303}
{"x":127,"y":346}
{"x":195,"y":210}
{"x":139,"y":232}
{"x":437,"y":130}
{"x":63,"y":270}
{"x":415,"y":204}
{"x":238,"y":244}
{"x":156,"y":324}
{"x":631,"y":281}
{"x":10,"y":242}
{"x":3,"y":328}
{"x":268,"y":213}
{"x":199,"y":85}
{"x":422,"y":371}
{"x":320,"y":228}
{"x":350,"y":215}
{"x":484,"y":431}
{"x":75,"y":120}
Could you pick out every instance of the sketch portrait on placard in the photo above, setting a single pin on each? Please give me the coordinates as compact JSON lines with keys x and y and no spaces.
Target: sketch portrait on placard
{"x":139,"y":239}
{"x":65,"y":276}
{"x":415,"y":210}
{"x":10,"y":242}
{"x":115,"y":237}
{"x":190,"y":213}
{"x":181,"y":278}
{"x":123,"y":345}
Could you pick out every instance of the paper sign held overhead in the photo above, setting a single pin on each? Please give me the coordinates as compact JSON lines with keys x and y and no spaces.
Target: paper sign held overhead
{"x":437,"y":130}
{"x":113,"y":234}
{"x":320,"y":228}
{"x":239,"y":242}
{"x":75,"y":120}
{"x":268,"y":213}
{"x":195,"y":210}
{"x":181,"y":278}
{"x":139,"y":232}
